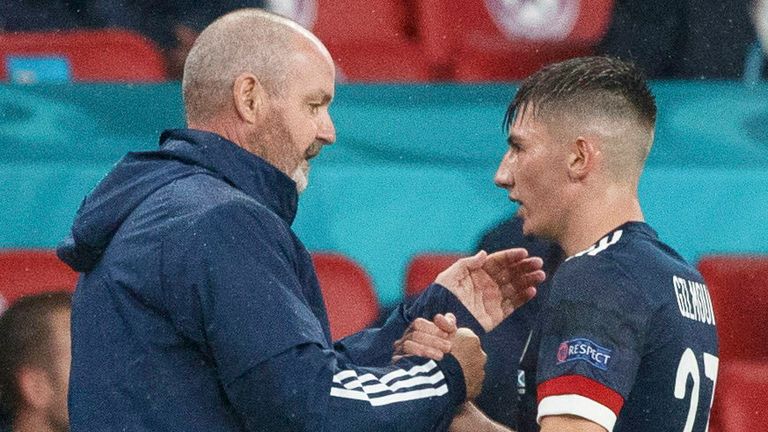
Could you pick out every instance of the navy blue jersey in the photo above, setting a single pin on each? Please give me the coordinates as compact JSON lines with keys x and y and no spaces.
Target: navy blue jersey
{"x":628,"y":338}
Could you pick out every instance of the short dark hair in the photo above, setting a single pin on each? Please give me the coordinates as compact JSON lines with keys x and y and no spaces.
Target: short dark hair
{"x":608,"y":85}
{"x":26,"y":340}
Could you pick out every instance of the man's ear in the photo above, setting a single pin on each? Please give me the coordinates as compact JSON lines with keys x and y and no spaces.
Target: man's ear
{"x":583,"y":157}
{"x":249,"y":97}
{"x":35,"y":387}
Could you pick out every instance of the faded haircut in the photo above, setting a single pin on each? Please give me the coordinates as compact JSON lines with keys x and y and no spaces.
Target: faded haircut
{"x":246,"y":40}
{"x":26,"y":339}
{"x":587,"y":88}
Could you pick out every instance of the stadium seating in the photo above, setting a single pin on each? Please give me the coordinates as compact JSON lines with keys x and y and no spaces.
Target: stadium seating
{"x":348,"y":293}
{"x":347,"y":289}
{"x":739,"y":289}
{"x":424,"y":268}
{"x":32,"y":271}
{"x":738,"y":286}
{"x":740,"y":396}
{"x":493,"y":40}
{"x":82,"y":55}
{"x":371,"y":41}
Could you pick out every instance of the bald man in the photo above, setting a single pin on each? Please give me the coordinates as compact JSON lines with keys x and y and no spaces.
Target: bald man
{"x":198,"y":307}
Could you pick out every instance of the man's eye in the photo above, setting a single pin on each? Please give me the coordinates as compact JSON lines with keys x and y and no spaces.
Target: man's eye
{"x":314,"y":108}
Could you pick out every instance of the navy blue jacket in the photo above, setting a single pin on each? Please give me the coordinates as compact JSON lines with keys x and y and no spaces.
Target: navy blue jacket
{"x":199,"y":309}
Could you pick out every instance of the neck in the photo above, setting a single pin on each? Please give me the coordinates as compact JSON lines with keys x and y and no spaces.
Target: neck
{"x":234,"y":132}
{"x":222,"y":128}
{"x":596,"y":216}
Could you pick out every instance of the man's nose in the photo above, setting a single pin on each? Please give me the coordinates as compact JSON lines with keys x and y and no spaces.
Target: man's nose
{"x":327,"y":131}
{"x":503,"y":177}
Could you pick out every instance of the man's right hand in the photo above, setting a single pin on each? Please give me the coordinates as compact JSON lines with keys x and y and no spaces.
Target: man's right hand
{"x":492,"y":286}
{"x":423,"y":338}
{"x":466,"y":348}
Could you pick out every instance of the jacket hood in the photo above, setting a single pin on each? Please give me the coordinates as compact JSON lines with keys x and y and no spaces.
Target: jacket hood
{"x":183,"y":152}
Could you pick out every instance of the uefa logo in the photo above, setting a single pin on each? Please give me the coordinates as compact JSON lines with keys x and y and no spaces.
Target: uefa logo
{"x":562,"y":352}
{"x":535,"y":20}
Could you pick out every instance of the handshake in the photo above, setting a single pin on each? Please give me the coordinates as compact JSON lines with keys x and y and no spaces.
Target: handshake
{"x":491,"y":287}
{"x":434,"y":339}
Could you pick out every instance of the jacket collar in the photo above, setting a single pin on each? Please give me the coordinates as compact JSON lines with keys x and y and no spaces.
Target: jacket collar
{"x":243,"y":170}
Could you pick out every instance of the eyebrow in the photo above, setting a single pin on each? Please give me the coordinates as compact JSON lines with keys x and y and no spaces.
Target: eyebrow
{"x":321,"y":95}
{"x":513,"y":139}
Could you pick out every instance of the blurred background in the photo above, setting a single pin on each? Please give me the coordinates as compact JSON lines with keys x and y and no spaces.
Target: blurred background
{"x":424,"y":85}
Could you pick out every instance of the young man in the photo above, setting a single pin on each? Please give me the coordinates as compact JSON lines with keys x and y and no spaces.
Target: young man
{"x":199,"y":308}
{"x":626,"y":339}
{"x":35,"y":355}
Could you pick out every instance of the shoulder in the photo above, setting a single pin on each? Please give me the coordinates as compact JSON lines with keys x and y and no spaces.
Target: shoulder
{"x":204,"y":199}
{"x":202,"y":208}
{"x":629,"y":257}
{"x":609,"y":276}
{"x":588,"y":277}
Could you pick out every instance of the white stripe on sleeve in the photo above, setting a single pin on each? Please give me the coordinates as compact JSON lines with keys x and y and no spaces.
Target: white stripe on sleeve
{"x":578,"y":405}
{"x":420,"y":382}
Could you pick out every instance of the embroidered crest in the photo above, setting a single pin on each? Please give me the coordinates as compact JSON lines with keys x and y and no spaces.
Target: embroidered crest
{"x":582,"y":349}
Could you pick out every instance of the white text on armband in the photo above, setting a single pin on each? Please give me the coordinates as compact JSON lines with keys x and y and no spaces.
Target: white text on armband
{"x":693,"y":300}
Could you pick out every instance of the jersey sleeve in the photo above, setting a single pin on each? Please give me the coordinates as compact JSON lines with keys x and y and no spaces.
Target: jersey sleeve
{"x":238,"y":296}
{"x":593,"y":333}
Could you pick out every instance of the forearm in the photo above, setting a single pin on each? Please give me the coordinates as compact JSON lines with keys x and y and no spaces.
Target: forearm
{"x":437,"y":299}
{"x":469,"y":418}
{"x":569,"y":423}
{"x":374,"y":347}
{"x":307,"y":389}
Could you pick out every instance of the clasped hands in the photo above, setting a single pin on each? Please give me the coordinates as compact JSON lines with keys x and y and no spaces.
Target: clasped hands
{"x":491,"y":287}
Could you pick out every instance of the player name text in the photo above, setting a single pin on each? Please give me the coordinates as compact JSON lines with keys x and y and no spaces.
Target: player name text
{"x":693,"y":300}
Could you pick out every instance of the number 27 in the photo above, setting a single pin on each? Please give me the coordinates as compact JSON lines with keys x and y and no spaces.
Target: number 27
{"x":689,"y":366}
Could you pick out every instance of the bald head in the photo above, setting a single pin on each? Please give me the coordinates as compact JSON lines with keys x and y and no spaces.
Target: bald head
{"x":247,"y":40}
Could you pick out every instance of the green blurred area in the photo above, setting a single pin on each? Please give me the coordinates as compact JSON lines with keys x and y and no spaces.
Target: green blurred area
{"x":411,"y":170}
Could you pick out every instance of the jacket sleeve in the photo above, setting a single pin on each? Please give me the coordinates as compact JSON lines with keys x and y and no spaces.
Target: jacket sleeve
{"x":237,"y":272}
{"x":375,"y":346}
{"x":308,"y":388}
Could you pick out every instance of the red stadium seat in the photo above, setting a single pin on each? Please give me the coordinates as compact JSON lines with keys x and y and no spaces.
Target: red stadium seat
{"x":493,"y":40}
{"x":739,"y":289}
{"x":371,"y":41}
{"x":25,"y":272}
{"x":348,"y":292}
{"x":740,"y":397}
{"x":424,"y":268}
{"x":738,"y":286}
{"x":85,"y":55}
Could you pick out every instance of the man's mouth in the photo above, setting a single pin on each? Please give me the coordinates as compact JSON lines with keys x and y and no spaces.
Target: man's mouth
{"x":313,"y":151}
